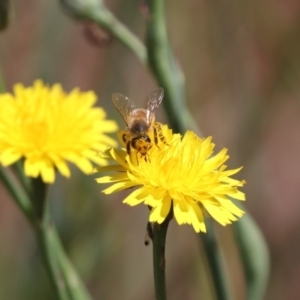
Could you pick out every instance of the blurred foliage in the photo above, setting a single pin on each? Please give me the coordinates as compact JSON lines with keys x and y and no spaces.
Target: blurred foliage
{"x":242,"y":72}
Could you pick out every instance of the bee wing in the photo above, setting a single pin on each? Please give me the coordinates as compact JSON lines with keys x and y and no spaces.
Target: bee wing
{"x":154,"y":101}
{"x":124,"y":105}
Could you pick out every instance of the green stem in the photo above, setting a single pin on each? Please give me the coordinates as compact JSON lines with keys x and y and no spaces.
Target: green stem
{"x":38,"y":199}
{"x":215,"y":262}
{"x":159,"y":260}
{"x":5,"y":14}
{"x":48,"y":251}
{"x":17,"y":193}
{"x":97,"y":12}
{"x":111,"y":24}
{"x":74,"y":284}
{"x":166,"y":69}
{"x":170,"y":77}
{"x":42,"y":228}
{"x":255,"y":257}
{"x":24,"y":180}
{"x":64,"y":278}
{"x":61,"y":272}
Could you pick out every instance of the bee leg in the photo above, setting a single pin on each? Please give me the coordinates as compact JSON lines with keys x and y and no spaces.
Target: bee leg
{"x":157,"y":132}
{"x":162,"y":138}
{"x":155,"y":137}
{"x":137,"y":158}
{"x":128,"y":148}
{"x":147,"y":158}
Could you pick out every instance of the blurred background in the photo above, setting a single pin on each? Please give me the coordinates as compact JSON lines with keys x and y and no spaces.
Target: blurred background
{"x":241,"y":60}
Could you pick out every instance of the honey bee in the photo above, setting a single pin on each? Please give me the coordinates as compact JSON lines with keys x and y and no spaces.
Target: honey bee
{"x":141,"y":128}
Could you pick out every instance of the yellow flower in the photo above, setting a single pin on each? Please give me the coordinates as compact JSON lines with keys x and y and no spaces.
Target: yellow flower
{"x":182,"y":175}
{"x":48,"y":127}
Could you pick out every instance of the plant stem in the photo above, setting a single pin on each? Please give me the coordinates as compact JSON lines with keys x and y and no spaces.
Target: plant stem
{"x":166,"y":69}
{"x":255,"y":257}
{"x":61,"y":272}
{"x":17,"y":193}
{"x":48,"y":251}
{"x":214,"y":258}
{"x":42,"y":228}
{"x":170,"y":77}
{"x":5,"y":14}
{"x":24,"y":180}
{"x":159,"y":260}
{"x":64,"y":278}
{"x":76,"y":288}
{"x":38,"y":199}
{"x":97,"y":12}
{"x":111,"y":24}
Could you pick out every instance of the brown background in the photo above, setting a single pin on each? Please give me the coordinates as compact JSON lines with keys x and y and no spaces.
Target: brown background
{"x":241,"y":60}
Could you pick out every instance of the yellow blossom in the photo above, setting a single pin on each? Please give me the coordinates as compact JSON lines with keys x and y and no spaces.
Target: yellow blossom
{"x":182,"y":175}
{"x":48,"y":127}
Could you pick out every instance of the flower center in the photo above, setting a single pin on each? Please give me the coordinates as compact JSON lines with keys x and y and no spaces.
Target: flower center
{"x":35,"y":131}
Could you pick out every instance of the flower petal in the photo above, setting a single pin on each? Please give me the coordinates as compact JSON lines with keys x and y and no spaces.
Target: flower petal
{"x":136,"y":197}
{"x":113,"y":178}
{"x":9,"y":156}
{"x":197,"y":219}
{"x":123,"y":185}
{"x":160,"y":212}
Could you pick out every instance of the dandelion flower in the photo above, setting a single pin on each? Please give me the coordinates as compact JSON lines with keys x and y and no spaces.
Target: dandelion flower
{"x":182,"y":175}
{"x":48,"y":127}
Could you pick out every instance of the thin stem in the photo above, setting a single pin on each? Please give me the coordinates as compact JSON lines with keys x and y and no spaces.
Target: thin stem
{"x":17,"y":193}
{"x":97,"y":12}
{"x":216,"y":265}
{"x":24,"y":180}
{"x":170,"y":77}
{"x":42,"y":228}
{"x":166,"y":69}
{"x":62,"y":275}
{"x":255,"y":257}
{"x":5,"y":14}
{"x":51,"y":261}
{"x":61,"y":272}
{"x":38,"y":199}
{"x":75,"y":287}
{"x":159,"y":260}
{"x":108,"y":21}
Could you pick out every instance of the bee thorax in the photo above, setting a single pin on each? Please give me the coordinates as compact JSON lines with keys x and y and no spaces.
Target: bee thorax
{"x":139,"y":127}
